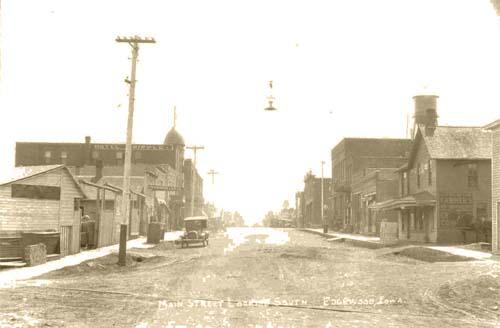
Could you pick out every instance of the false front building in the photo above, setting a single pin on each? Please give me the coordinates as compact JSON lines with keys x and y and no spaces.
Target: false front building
{"x":311,"y":201}
{"x":361,"y":172}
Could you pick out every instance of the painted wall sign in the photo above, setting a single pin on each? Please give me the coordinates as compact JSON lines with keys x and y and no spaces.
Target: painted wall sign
{"x":163,"y":187}
{"x":455,"y":209}
{"x":134,"y":147}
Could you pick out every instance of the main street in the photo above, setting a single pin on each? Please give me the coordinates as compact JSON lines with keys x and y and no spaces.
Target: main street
{"x":258,"y":277}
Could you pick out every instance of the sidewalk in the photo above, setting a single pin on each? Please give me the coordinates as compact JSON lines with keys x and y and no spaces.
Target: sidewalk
{"x":8,"y":277}
{"x":372,"y":241}
{"x":335,"y":234}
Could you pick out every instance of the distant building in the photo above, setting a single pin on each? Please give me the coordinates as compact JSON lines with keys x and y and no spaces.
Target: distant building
{"x":370,"y":186}
{"x":312,"y":200}
{"x":445,"y":187}
{"x":157,"y":173}
{"x":495,"y":179}
{"x":83,"y":154}
{"x":299,"y":209}
{"x":191,"y":173}
{"x":356,"y":186}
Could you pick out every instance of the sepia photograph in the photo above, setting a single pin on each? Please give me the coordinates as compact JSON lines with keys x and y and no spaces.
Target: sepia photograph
{"x":258,"y":164}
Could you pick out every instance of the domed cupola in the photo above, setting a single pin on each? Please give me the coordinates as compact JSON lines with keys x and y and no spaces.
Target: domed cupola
{"x":173,"y":137}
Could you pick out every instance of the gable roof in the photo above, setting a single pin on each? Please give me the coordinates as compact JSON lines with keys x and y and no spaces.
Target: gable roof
{"x":458,"y":142}
{"x":24,"y":172}
{"x":454,"y":142}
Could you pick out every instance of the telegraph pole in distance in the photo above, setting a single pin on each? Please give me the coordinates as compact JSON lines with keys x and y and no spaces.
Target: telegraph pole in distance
{"x":134,"y":43}
{"x":193,"y":169}
{"x":325,"y":226}
{"x":212,"y":173}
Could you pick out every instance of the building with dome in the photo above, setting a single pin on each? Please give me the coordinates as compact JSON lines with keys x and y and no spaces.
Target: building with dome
{"x":157,"y":172}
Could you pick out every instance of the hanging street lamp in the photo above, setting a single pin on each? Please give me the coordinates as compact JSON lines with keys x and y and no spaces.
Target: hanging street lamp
{"x":270,"y":98}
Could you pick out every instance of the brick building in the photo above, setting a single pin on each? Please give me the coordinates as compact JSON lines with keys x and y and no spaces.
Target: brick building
{"x":445,"y":187}
{"x":495,"y":187}
{"x":355,"y":183}
{"x":371,"y":186}
{"x":157,"y":171}
{"x":191,"y":172}
{"x":312,"y":200}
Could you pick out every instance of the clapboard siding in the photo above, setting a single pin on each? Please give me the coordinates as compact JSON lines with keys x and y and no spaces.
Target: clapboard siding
{"x":70,"y":216}
{"x":24,"y":214}
{"x":27,"y":214}
{"x":495,"y":174}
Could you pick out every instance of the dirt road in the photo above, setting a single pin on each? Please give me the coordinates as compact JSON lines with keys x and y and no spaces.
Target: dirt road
{"x":259,"y":278}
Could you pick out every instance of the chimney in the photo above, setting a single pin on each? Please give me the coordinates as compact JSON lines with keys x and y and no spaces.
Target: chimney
{"x":426,"y":112}
{"x":98,"y":171}
{"x":87,"y":151}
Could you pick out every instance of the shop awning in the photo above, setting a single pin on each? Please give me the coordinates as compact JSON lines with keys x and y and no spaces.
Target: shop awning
{"x":416,"y":200}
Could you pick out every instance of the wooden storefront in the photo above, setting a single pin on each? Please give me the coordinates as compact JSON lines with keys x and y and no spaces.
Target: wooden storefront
{"x":40,"y":199}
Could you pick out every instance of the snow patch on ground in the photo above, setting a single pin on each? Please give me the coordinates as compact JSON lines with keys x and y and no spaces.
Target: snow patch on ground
{"x":9,"y":277}
{"x":173,"y":235}
{"x":239,"y":236}
{"x":462,"y":252}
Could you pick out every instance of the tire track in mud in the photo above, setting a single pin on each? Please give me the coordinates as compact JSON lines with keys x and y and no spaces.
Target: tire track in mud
{"x":131,"y":299}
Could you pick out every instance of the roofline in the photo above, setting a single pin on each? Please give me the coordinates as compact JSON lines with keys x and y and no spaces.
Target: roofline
{"x":32,"y":175}
{"x":59,"y":166}
{"x":120,"y":190}
{"x":84,"y":143}
{"x":493,"y":125}
{"x":381,"y":138}
{"x":462,"y":158}
{"x":97,"y":186}
{"x":459,"y":126}
{"x":75,"y":181}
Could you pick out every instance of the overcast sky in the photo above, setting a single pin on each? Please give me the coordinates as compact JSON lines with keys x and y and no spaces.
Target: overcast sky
{"x":340,"y":69}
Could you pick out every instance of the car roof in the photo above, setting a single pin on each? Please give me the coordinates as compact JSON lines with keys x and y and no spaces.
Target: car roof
{"x":196,"y":218}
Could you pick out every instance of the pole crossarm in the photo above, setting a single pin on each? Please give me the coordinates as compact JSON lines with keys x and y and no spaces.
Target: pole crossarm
{"x":135,"y":39}
{"x":212,"y":173}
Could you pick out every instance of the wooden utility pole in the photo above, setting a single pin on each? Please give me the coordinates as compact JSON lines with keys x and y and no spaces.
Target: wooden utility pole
{"x":193,"y":171}
{"x":212,"y":173}
{"x":325,"y":226}
{"x":134,"y":43}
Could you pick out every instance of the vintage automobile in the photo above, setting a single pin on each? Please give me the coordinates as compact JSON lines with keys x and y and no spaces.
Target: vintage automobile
{"x":195,"y":231}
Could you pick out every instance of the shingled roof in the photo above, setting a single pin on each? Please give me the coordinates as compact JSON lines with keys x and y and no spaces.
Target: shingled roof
{"x":458,"y":142}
